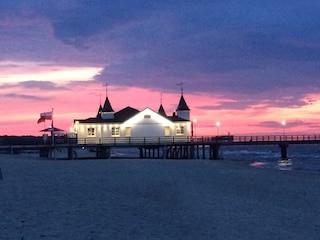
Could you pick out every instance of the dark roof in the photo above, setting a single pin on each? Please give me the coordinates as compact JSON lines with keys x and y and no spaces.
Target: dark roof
{"x":107,"y":106}
{"x":161,"y":111}
{"x":119,"y":117}
{"x":176,"y":119}
{"x":99,"y":112}
{"x":182,"y":105}
{"x":125,"y":114}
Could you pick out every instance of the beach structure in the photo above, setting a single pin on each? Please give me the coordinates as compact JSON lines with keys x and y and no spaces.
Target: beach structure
{"x":154,"y":134}
{"x":129,"y":122}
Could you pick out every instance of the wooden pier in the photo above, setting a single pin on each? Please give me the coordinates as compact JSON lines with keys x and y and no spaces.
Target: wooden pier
{"x":164,"y":147}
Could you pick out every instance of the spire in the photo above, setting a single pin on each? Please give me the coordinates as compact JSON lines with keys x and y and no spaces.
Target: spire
{"x":107,"y":106}
{"x":182,"y":105}
{"x":183,"y":111}
{"x":161,"y":111}
{"x":107,"y":111}
{"x":99,"y":111}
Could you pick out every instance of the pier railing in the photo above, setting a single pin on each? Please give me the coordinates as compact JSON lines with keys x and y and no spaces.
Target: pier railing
{"x":161,"y":141}
{"x":260,"y":139}
{"x":277,"y":138}
{"x":228,"y":139}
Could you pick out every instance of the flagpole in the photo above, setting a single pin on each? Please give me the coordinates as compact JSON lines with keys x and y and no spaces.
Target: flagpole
{"x":52,"y":133}
{"x":52,"y":127}
{"x":52,"y":117}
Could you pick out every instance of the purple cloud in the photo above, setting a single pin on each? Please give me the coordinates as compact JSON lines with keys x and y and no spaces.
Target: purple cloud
{"x":25,"y":96}
{"x":250,"y":52}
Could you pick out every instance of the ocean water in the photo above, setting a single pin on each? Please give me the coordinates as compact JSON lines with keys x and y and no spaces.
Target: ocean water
{"x":301,"y":157}
{"x":304,"y":157}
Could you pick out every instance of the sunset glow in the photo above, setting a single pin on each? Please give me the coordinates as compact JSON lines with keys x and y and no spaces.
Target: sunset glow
{"x":245,"y":70}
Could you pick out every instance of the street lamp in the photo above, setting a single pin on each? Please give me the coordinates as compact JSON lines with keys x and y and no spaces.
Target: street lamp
{"x":217,"y":125}
{"x":283,"y":123}
{"x":194,"y":129}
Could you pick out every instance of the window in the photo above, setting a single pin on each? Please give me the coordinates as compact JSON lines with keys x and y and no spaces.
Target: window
{"x":180,"y":130}
{"x":147,"y":116}
{"x":91,"y":132}
{"x":128,"y":131}
{"x":115,"y":131}
{"x":167,"y":131}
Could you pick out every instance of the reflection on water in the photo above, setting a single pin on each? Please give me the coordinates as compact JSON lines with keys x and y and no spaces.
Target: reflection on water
{"x":257,"y":164}
{"x":284,"y":164}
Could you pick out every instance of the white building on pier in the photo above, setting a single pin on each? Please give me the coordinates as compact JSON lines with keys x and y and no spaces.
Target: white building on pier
{"x":128,"y":122}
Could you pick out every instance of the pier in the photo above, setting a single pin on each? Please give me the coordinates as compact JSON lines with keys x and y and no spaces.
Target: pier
{"x":163,"y":147}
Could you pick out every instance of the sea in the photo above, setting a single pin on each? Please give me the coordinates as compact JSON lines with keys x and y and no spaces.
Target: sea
{"x":301,"y":157}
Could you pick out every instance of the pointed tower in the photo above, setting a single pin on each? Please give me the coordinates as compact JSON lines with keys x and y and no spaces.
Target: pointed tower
{"x":107,"y":111}
{"x":99,"y":112}
{"x":183,"y":111}
{"x":161,"y":111}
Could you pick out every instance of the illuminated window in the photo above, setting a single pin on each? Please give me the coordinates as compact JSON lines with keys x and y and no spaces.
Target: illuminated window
{"x":91,"y":132}
{"x":167,"y":131}
{"x":128,"y":131}
{"x":115,"y":131}
{"x":180,"y":130}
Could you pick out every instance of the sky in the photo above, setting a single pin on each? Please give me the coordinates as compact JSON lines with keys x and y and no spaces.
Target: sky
{"x":247,"y":64}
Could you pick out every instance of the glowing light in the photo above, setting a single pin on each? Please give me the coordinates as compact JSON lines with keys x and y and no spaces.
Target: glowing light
{"x":153,"y":116}
{"x":283,"y":123}
{"x":218,"y":125}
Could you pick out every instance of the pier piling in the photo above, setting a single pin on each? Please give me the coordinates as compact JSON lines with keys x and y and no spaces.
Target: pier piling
{"x":283,"y":148}
{"x":103,"y":152}
{"x":214,"y":151}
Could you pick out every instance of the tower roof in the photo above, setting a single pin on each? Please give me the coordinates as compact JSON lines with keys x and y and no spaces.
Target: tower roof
{"x":107,"y":106}
{"x":161,"y":111}
{"x":182,"y":105}
{"x":99,"y":111}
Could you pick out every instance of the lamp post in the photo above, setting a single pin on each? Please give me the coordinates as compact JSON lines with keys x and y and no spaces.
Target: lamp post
{"x":194,"y":129}
{"x":217,"y":125}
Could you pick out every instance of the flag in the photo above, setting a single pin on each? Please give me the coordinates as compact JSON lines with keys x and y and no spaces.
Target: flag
{"x":45,"y":116}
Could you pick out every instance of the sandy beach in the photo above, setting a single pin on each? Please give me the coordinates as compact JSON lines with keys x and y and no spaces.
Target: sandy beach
{"x":155,"y":199}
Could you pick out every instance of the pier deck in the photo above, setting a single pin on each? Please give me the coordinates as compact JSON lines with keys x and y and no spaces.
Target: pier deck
{"x":165,"y":147}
